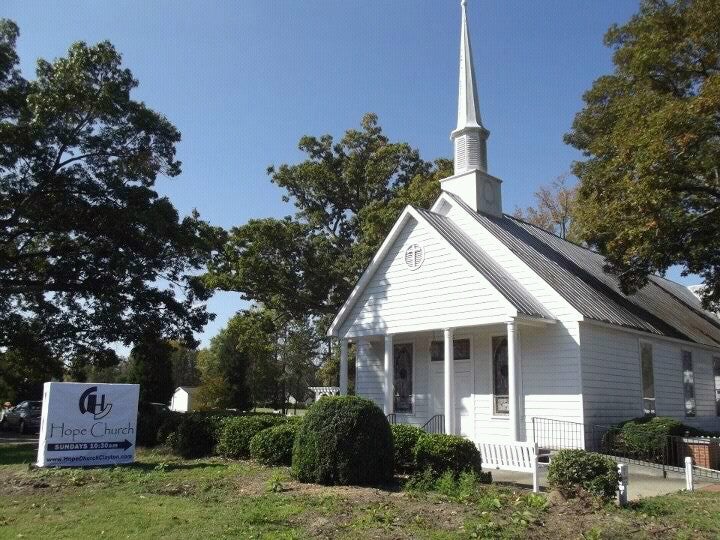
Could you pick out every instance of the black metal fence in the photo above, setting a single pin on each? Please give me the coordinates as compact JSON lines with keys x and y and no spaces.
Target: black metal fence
{"x":665,"y":452}
{"x":435,"y":425}
{"x":551,"y":434}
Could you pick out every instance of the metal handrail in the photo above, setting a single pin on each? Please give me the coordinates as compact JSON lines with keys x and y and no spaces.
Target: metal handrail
{"x":553,"y":434}
{"x":436,"y":424}
{"x":391,"y":418}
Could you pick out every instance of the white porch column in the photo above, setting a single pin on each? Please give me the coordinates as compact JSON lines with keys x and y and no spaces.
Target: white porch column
{"x":449,"y":382}
{"x":513,"y":381}
{"x":343,"y":367}
{"x":389,"y":375}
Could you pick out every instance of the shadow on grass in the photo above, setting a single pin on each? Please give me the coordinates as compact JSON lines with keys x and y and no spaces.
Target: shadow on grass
{"x":16,"y":454}
{"x":174,"y":466}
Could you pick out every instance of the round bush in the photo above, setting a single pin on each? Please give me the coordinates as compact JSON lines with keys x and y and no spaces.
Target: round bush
{"x":441,"y":453}
{"x":274,"y":446}
{"x":343,"y":440}
{"x":236,"y":433}
{"x":194,"y":436}
{"x":573,"y":471}
{"x":405,"y":438}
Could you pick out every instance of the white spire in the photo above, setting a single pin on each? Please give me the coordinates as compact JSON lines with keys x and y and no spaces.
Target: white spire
{"x":469,"y":136}
{"x":471,"y":181}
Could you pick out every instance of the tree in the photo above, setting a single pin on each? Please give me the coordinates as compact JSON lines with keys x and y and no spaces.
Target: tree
{"x":25,"y":367}
{"x":649,"y":194}
{"x":347,"y":195}
{"x":554,"y":209}
{"x":151,"y":368}
{"x":91,"y":365}
{"x":184,"y":365}
{"x":234,"y":367}
{"x":89,"y":253}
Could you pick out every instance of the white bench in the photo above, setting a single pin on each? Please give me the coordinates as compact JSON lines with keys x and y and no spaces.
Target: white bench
{"x":507,"y":456}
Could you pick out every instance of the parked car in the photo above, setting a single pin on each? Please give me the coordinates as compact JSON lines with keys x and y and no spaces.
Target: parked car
{"x":24,"y":417}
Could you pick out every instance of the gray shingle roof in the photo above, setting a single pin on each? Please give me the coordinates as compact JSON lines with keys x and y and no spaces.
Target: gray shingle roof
{"x":662,"y":307}
{"x":501,"y":279}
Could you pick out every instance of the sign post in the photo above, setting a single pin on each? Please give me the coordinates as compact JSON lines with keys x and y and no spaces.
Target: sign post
{"x":88,"y":424}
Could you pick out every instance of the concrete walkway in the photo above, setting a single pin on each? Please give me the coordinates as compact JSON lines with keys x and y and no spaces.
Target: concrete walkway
{"x":642,"y":482}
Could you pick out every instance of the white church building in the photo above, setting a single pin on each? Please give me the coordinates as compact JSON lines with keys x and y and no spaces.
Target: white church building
{"x":488,"y":325}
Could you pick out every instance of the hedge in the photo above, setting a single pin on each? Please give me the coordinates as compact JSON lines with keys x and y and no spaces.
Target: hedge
{"x":343,"y":440}
{"x":236,"y":433}
{"x":574,"y":471}
{"x":645,"y":437}
{"x":440,"y":453}
{"x":195,"y":436}
{"x":405,"y":437}
{"x":274,"y":445}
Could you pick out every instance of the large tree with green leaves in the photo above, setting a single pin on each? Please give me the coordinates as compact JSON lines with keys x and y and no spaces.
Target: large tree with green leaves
{"x":89,"y":253}
{"x":649,"y":194}
{"x":347,"y":194}
{"x":150,"y":366}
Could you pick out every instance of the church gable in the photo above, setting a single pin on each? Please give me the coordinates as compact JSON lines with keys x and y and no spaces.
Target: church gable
{"x":421,"y":283}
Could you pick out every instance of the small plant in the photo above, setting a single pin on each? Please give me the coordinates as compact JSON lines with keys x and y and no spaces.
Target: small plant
{"x":441,"y":453}
{"x":275,"y":483}
{"x":163,"y":466}
{"x":421,"y":481}
{"x":573,"y":471}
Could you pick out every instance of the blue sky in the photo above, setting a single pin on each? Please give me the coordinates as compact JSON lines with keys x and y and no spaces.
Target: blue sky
{"x":243,"y":80}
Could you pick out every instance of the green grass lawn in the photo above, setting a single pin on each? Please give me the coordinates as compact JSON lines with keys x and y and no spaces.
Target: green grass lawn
{"x":164,"y":497}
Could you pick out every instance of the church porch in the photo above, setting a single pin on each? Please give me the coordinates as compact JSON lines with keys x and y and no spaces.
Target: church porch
{"x":466,"y":380}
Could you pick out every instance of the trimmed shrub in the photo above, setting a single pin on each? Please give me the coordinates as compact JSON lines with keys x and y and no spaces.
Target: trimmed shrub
{"x":646,"y":437}
{"x":573,"y":471}
{"x":236,"y":433}
{"x":405,"y":438}
{"x":440,"y":453}
{"x":168,"y":426}
{"x":343,"y":440}
{"x":274,"y":445}
{"x":194,"y":436}
{"x":149,"y":420}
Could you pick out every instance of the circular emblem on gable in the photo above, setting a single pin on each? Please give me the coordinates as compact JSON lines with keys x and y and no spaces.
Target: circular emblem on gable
{"x":414,"y":256}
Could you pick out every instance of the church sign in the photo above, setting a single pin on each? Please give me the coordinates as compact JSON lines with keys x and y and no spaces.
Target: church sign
{"x":88,"y":424}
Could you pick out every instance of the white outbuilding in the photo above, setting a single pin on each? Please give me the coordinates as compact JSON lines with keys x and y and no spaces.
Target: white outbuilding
{"x":183,"y":399}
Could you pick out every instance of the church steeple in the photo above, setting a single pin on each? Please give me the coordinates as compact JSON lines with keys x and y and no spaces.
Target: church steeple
{"x":471,"y":181}
{"x":470,"y":135}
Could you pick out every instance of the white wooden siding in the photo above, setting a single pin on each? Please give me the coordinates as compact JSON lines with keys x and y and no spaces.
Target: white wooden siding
{"x":527,"y":277}
{"x":612,"y":385}
{"x":369,"y":379}
{"x":551,"y":377}
{"x":444,"y":292}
